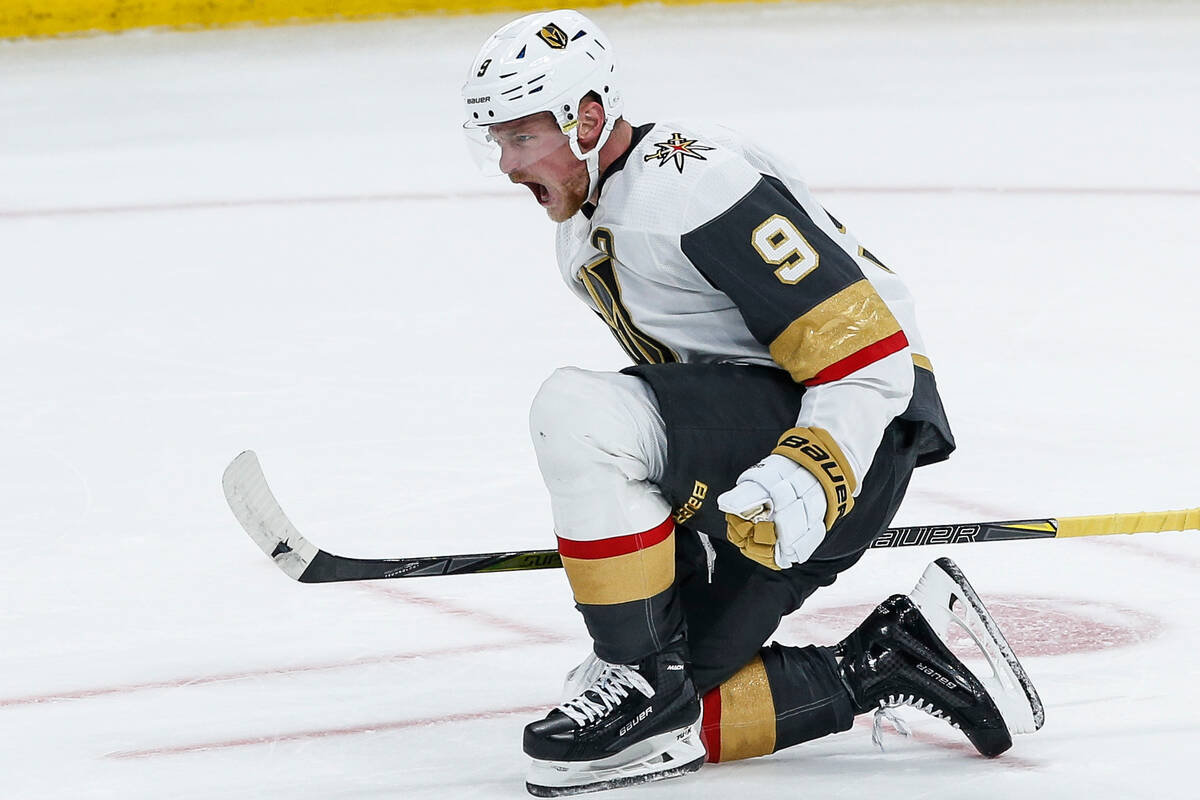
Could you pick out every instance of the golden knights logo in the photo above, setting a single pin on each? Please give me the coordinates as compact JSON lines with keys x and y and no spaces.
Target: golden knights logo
{"x":677,"y":149}
{"x":554,"y":36}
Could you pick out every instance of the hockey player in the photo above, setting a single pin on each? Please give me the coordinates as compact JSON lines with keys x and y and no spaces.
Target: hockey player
{"x":780,"y":399}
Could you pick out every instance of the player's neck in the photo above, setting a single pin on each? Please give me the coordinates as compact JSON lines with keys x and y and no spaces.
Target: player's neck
{"x":616,"y":146}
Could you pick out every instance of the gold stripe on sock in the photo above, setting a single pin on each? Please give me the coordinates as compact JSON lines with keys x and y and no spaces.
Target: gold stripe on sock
{"x":747,"y":713}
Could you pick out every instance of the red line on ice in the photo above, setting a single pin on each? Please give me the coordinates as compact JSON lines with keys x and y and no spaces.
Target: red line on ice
{"x":200,"y":680}
{"x":528,"y":633}
{"x":1033,"y":625}
{"x":326,"y":732}
{"x":863,"y":721}
{"x":956,"y":501}
{"x":1137,"y":545}
{"x":406,"y":197}
{"x":446,"y":607}
{"x":249,"y":202}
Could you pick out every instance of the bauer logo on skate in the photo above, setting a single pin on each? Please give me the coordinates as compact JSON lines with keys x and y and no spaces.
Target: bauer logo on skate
{"x":937,"y":676}
{"x":633,"y":723}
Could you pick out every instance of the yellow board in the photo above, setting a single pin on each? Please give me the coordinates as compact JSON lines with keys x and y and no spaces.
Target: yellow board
{"x":21,"y":18}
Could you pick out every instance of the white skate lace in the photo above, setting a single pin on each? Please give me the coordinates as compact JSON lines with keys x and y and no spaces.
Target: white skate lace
{"x":611,"y":686}
{"x":885,"y":712}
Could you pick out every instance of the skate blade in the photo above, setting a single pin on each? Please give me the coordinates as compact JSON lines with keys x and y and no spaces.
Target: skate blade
{"x":946,"y":599}
{"x":667,"y":755}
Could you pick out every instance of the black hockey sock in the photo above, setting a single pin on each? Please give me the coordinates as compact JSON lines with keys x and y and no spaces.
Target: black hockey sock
{"x":625,"y":589}
{"x":784,"y":696}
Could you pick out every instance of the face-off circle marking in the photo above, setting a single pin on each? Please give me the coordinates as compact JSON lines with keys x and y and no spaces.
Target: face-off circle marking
{"x":1033,"y":626}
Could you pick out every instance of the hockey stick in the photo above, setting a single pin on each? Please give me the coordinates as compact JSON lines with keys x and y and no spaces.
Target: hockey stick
{"x":260,"y":514}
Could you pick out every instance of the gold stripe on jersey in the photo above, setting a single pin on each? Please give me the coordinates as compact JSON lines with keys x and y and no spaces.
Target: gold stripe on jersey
{"x":747,"y":713}
{"x":622,"y":579}
{"x":851,"y":320}
{"x":922,"y":361}
{"x":816,"y":451}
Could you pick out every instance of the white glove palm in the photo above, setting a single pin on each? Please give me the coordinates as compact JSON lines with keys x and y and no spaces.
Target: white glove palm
{"x":779,"y":491}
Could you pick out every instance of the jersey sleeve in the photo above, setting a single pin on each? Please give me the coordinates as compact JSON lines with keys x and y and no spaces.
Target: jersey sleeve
{"x":808,"y":301}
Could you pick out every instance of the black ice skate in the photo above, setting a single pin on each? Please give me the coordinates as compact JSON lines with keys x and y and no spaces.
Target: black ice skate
{"x":630,"y":725}
{"x":899,"y":656}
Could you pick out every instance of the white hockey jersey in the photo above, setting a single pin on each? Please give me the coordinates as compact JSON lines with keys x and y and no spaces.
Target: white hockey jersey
{"x":705,"y":248}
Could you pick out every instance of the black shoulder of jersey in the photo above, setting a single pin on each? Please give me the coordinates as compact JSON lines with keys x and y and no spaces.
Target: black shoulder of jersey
{"x":751,"y":251}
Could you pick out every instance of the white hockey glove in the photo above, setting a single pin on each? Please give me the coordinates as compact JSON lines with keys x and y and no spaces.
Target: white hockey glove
{"x":777,"y":512}
{"x":781,"y":508}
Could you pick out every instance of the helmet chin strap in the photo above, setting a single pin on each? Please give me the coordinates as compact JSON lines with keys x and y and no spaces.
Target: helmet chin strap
{"x":591,"y":159}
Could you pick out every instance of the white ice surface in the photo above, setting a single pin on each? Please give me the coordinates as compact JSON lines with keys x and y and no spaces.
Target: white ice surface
{"x":273,"y":239}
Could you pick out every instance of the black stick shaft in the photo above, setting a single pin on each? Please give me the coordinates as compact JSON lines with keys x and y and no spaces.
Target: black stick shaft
{"x":326,"y":567}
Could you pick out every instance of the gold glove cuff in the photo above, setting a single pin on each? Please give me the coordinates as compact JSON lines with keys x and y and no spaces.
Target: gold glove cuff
{"x":816,"y":451}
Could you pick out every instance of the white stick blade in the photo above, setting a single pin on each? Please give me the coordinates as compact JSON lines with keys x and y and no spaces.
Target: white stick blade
{"x":261,"y":516}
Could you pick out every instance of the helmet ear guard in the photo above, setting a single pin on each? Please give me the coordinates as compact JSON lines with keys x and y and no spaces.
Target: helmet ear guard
{"x":591,"y":159}
{"x":547,"y":61}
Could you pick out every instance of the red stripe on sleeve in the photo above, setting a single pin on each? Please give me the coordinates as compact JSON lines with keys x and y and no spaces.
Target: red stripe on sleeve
{"x":618,"y":545}
{"x":856,"y":361}
{"x":710,"y":729}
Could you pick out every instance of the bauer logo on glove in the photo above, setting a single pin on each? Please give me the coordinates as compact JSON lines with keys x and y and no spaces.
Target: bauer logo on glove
{"x":805,"y":448}
{"x":781,"y":508}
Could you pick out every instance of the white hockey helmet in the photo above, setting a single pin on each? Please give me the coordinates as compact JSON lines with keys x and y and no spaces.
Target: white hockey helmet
{"x":547,"y":61}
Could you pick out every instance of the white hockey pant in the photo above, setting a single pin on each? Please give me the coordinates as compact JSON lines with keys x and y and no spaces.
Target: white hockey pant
{"x":601,"y":446}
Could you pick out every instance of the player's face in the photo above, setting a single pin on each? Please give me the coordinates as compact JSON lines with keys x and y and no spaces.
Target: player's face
{"x":534,"y":152}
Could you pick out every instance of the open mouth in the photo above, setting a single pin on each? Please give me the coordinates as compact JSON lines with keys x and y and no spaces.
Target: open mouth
{"x":540,"y":192}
